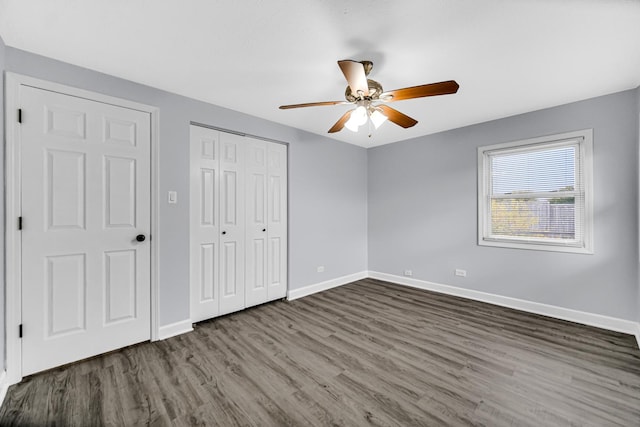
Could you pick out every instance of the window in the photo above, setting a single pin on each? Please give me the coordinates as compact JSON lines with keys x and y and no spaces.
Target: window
{"x":536,"y":194}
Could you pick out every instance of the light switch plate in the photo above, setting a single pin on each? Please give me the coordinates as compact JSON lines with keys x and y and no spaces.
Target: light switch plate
{"x":173,"y":197}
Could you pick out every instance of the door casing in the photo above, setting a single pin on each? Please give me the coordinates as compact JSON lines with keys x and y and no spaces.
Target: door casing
{"x":13,"y":208}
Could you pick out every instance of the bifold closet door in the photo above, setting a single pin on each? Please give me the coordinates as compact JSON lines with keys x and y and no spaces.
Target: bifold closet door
{"x":256,"y":222}
{"x":238,"y":222}
{"x":232,"y":215}
{"x":266,"y":221}
{"x":277,"y":221}
{"x":204,"y":223}
{"x":217,"y":223}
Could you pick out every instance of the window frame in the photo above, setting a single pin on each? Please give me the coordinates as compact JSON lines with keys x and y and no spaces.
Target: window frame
{"x":583,"y":140}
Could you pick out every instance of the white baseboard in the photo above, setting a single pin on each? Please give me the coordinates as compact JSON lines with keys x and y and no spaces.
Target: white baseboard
{"x":323,"y":286}
{"x":591,"y":319}
{"x":583,"y":317}
{"x":173,"y":329}
{"x":4,"y":386}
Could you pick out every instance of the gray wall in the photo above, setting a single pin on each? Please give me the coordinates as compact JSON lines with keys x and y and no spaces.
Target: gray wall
{"x":423,"y":211}
{"x":414,"y":200}
{"x":2,"y":303}
{"x":327,"y":192}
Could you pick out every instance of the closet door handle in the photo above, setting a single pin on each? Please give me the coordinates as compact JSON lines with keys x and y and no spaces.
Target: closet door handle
{"x":224,"y":232}
{"x":264,"y":229}
{"x":140,"y":237}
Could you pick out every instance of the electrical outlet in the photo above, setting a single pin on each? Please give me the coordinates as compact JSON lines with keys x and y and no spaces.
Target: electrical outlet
{"x":320,"y":269}
{"x":461,"y":273}
{"x":408,"y":273}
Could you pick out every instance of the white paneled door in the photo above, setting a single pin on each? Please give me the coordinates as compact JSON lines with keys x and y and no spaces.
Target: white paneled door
{"x":204,"y":223}
{"x":266,"y":221}
{"x":238,"y":222}
{"x":231,"y":223}
{"x":276,"y":221}
{"x":256,"y":222}
{"x":86,"y":221}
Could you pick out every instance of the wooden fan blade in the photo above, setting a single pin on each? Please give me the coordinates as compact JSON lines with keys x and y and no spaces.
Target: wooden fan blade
{"x":432,"y":89}
{"x":354,"y":73}
{"x":397,"y":117}
{"x":312,"y":104}
{"x":340,"y":123}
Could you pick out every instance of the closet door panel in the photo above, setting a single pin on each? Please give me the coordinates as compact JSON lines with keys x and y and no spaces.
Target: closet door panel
{"x":232,"y":223}
{"x":204,"y":223}
{"x":256,"y":222}
{"x":276,"y":221}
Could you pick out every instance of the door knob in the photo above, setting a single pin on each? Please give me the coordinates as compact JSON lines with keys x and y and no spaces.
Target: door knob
{"x":140,"y":237}
{"x":264,"y":229}
{"x":224,"y":232}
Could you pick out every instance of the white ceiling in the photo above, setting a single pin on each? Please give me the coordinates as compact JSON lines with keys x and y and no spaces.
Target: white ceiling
{"x":509,"y":56}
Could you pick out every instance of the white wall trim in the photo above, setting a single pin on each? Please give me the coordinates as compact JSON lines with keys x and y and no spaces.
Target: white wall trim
{"x":638,"y":334}
{"x":154,"y":239}
{"x":173,"y":329}
{"x":591,"y":319}
{"x":13,"y":245}
{"x":4,"y":386}
{"x":13,"y":207}
{"x":323,"y":286}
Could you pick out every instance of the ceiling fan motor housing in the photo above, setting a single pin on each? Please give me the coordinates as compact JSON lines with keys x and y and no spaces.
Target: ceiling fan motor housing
{"x":375,"y":89}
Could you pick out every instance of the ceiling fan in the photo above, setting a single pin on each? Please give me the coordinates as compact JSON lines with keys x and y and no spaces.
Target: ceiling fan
{"x":370,"y":99}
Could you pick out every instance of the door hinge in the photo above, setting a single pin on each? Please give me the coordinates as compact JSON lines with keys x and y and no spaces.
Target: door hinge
{"x":19,"y":115}
{"x":20,"y":331}
{"x":19,"y":223}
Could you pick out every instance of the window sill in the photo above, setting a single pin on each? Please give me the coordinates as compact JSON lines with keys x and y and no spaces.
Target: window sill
{"x":534,"y":246}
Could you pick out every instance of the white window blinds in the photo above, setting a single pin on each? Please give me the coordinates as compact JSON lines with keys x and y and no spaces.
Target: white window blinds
{"x":534,"y":194}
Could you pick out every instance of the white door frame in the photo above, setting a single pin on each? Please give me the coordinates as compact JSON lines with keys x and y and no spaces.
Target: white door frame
{"x":13,"y":208}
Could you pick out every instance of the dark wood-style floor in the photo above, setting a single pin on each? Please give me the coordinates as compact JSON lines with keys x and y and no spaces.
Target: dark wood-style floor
{"x":369,"y":353}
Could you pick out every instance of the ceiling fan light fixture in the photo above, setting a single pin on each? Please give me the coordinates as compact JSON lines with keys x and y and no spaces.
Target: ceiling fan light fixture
{"x":351,"y":126}
{"x":377,"y":118}
{"x":351,"y":123}
{"x":357,"y":119}
{"x":360,"y":115}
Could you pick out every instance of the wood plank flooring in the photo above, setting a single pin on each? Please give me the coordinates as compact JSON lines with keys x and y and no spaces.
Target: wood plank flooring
{"x":369,"y":353}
